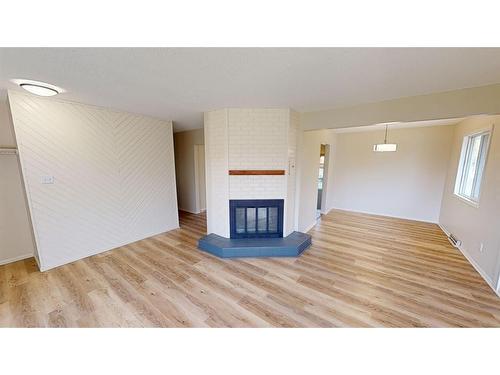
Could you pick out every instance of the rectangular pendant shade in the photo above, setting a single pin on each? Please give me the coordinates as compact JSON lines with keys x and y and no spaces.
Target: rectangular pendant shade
{"x":385,"y":147}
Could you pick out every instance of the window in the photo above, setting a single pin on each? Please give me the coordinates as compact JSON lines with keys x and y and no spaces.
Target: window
{"x":470,"y":169}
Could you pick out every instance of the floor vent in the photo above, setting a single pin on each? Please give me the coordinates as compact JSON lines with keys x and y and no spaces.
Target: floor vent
{"x":454,"y":241}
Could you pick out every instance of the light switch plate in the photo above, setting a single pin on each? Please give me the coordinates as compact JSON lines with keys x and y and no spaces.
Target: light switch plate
{"x":47,"y":179}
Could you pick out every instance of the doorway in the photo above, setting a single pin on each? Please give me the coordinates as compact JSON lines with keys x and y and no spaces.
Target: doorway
{"x":199,"y":178}
{"x":324,"y":153}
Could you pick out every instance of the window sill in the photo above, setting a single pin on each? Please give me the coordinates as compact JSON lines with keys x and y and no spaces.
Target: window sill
{"x":467,"y":201}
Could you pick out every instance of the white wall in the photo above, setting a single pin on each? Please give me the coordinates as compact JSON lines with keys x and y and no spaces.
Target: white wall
{"x":476,"y":225}
{"x":114,"y":178}
{"x":16,"y":240}
{"x":184,"y":143}
{"x":216,"y":172}
{"x":290,"y":224}
{"x":200,"y":180}
{"x":407,"y":183}
{"x":307,"y":175}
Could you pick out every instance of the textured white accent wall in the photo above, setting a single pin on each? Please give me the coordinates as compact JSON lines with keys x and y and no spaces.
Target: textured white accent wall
{"x":216,"y":172}
{"x":114,"y":178}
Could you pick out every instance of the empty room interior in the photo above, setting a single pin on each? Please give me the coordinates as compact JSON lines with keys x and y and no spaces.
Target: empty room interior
{"x":249,"y":187}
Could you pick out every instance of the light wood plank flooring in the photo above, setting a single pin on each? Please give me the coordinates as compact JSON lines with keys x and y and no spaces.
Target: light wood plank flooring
{"x":362,"y":271}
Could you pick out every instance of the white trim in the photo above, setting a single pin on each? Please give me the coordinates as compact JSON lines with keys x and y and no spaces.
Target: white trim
{"x":384,"y":215}
{"x":26,"y":190}
{"x":15,"y":259}
{"x":8,"y":151}
{"x":196,"y":179}
{"x":189,"y":211}
{"x":465,"y":200}
{"x":462,"y":162}
{"x":326,"y":211}
{"x":326,"y":166}
{"x":310,"y":226}
{"x":498,"y":286}
{"x":476,"y":266}
{"x":100,"y":251}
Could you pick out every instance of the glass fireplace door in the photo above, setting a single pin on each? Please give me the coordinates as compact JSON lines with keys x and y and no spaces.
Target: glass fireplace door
{"x":256,"y":218}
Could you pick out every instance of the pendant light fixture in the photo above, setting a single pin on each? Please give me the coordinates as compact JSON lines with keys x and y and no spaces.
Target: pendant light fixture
{"x":385,"y":147}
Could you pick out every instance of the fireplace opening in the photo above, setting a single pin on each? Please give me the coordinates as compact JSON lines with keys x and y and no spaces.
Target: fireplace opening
{"x":250,"y":218}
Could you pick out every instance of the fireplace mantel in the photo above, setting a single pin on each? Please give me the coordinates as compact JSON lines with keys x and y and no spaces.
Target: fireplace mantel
{"x":256,"y":172}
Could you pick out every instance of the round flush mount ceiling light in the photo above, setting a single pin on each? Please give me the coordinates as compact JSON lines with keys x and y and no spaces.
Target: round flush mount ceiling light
{"x":38,"y":88}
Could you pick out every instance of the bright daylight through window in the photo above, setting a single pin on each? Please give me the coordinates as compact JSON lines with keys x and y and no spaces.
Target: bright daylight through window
{"x":470,"y":169}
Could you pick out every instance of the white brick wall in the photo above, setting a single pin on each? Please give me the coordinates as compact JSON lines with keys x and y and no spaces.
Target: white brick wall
{"x":257,"y":187}
{"x":257,"y":140}
{"x":248,"y":139}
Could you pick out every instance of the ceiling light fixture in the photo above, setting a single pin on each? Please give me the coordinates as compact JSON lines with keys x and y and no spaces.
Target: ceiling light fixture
{"x":38,"y":88}
{"x":385,"y":147}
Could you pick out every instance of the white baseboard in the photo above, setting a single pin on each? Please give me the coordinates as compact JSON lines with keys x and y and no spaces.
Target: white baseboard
{"x":63,"y":262}
{"x":15,"y":259}
{"x":308,"y":228}
{"x":189,"y":211}
{"x":385,"y":215}
{"x":474,"y":264}
{"x":326,"y":211}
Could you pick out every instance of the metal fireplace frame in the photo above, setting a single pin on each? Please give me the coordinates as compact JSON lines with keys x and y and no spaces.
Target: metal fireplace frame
{"x":256,"y":203}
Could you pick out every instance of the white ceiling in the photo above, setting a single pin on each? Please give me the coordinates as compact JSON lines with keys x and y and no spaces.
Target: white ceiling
{"x":179,"y":84}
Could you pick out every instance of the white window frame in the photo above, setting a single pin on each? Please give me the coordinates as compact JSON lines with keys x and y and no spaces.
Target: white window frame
{"x":464,"y":154}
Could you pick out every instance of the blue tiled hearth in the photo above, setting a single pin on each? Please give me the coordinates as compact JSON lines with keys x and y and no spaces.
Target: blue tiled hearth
{"x":290,"y":246}
{"x":256,"y":230}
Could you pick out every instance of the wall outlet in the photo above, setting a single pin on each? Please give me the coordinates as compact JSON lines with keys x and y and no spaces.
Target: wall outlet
{"x":47,"y":179}
{"x":481,"y":247}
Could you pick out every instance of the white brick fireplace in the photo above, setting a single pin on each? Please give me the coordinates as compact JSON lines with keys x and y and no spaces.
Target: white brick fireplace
{"x":249,"y":139}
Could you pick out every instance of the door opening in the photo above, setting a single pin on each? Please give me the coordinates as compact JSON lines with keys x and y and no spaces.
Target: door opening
{"x":322,"y":179}
{"x":199,"y":177}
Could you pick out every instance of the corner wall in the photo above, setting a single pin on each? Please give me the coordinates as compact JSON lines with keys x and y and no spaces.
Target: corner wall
{"x":216,"y":171}
{"x":16,"y":240}
{"x":114,"y":177}
{"x":184,"y":143}
{"x":476,"y":225}
{"x":307,"y":175}
{"x":291,"y":178}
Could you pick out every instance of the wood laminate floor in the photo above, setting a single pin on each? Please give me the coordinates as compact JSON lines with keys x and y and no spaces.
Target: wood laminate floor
{"x":362,"y":271}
